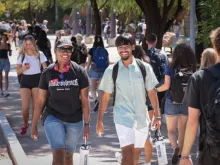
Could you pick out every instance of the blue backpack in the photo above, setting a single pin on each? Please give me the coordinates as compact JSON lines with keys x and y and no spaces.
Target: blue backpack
{"x":100,"y":59}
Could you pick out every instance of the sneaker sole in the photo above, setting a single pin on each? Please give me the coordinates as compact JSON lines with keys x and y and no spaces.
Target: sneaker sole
{"x":175,"y":156}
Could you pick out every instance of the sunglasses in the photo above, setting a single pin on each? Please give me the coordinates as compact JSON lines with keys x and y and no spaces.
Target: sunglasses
{"x":65,"y":50}
{"x":28,"y":38}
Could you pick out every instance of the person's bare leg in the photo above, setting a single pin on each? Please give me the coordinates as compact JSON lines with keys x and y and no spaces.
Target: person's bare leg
{"x":128,"y":155}
{"x":182,"y":120}
{"x":69,"y":158}
{"x":1,"y":80}
{"x":172,"y":130}
{"x":6,"y":81}
{"x":34,"y":94}
{"x":93,"y":88}
{"x":137,"y":153}
{"x":59,"y":156}
{"x":25,"y":101}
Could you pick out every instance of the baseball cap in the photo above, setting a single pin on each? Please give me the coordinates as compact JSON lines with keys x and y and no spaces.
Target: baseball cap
{"x":45,"y":21}
{"x":63,"y":42}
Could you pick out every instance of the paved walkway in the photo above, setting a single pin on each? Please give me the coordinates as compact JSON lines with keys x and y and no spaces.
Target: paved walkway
{"x":103,"y":148}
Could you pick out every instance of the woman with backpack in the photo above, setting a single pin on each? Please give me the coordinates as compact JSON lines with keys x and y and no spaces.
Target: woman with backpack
{"x":98,"y":59}
{"x":44,"y":45}
{"x":29,"y":63}
{"x":183,"y":65}
{"x":5,"y":50}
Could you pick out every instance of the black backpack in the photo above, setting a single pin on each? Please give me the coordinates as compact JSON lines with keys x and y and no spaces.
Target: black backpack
{"x":115,"y":75}
{"x":179,"y":84}
{"x":158,"y":62}
{"x":211,"y":113}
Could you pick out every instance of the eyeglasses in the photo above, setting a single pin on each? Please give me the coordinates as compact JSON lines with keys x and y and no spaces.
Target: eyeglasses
{"x":65,"y":50}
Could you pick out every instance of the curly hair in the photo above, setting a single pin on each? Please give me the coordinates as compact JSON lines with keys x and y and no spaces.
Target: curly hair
{"x":183,"y":57}
{"x":215,"y":39}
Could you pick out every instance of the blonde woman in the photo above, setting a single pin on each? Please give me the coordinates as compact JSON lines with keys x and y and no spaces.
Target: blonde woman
{"x":209,"y":58}
{"x":29,"y":64}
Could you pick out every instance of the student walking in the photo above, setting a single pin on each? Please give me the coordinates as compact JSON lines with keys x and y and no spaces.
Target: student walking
{"x":202,"y":100}
{"x":98,"y":59}
{"x":177,"y":75}
{"x":5,"y":51}
{"x":130,"y":111}
{"x":29,"y":64}
{"x":67,"y":110}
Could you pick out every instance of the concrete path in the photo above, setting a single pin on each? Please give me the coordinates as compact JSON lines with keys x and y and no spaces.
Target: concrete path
{"x":39,"y":153}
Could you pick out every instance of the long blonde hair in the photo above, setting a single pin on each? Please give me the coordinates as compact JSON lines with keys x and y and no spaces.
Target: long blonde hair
{"x":209,"y":58}
{"x":22,"y":50}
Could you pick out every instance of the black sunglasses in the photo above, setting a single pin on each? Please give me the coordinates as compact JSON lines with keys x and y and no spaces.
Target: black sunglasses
{"x":65,"y":50}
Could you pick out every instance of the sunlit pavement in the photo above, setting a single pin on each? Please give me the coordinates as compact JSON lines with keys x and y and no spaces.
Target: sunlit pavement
{"x":103,"y":148}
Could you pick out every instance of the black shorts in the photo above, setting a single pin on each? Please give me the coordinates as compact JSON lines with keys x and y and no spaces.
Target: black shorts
{"x":30,"y":81}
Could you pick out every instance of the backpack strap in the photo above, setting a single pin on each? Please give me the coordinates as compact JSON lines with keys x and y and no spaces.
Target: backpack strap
{"x":142,"y":68}
{"x":114,"y":77}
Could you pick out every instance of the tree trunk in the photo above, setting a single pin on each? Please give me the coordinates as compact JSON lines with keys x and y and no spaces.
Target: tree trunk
{"x":200,"y":46}
{"x":156,"y":21}
{"x":97,"y":19}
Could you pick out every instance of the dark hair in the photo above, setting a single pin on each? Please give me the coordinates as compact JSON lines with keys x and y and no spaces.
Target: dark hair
{"x":37,"y":31}
{"x":183,"y":57}
{"x":125,"y":39}
{"x":215,"y":39}
{"x":98,"y":42}
{"x":151,"y":38}
{"x":42,"y":41}
{"x":138,"y":52}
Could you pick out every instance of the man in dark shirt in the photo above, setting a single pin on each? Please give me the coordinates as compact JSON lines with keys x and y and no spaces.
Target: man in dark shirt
{"x":196,"y":98}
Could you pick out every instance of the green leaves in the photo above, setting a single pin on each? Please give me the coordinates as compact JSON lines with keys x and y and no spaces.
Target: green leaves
{"x":210,"y":15}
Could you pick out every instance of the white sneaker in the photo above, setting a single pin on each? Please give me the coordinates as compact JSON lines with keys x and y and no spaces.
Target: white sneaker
{"x":118,"y":157}
{"x":6,"y":94}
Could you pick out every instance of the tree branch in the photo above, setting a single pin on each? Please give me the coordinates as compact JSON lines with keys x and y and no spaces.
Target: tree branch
{"x":103,"y":5}
{"x":164,"y":3}
{"x":171,"y":4}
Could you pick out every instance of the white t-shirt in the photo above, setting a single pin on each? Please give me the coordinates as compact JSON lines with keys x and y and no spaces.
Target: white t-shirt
{"x":144,"y":27}
{"x":34,"y":62}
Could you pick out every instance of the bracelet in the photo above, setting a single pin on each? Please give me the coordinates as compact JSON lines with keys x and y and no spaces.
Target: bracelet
{"x":185,"y":157}
{"x":157,"y":117}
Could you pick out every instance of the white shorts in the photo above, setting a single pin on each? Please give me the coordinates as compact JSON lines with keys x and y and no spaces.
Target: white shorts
{"x":128,"y":136}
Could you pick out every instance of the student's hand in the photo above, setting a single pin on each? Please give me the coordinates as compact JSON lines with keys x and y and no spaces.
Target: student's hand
{"x":185,"y":162}
{"x":86,"y":132}
{"x":34,"y":133}
{"x":99,"y":128}
{"x":26,"y":67}
{"x":157,"y":123}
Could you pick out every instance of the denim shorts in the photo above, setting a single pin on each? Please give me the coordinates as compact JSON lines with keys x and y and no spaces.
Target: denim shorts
{"x":62,"y":134}
{"x":172,"y":109}
{"x":5,"y":65}
{"x":95,"y":75}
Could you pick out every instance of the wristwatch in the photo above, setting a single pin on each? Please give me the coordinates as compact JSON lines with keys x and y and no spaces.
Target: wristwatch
{"x":85,"y":124}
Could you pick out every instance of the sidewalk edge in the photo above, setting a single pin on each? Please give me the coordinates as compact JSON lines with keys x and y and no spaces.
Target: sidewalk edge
{"x":17,"y":153}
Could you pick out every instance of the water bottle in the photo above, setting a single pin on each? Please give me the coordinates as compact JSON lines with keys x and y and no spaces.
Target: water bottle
{"x":161,"y":148}
{"x":84,"y":153}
